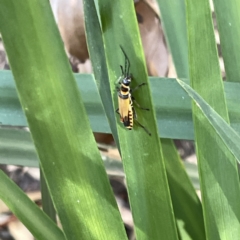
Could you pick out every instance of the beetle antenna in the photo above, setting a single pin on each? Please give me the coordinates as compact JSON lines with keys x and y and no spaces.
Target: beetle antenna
{"x":127,"y":62}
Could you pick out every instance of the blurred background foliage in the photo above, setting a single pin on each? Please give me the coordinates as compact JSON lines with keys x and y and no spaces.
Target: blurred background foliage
{"x":165,"y":36}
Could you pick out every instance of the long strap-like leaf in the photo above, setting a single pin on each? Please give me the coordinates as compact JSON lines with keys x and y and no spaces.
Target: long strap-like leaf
{"x":217,"y":166}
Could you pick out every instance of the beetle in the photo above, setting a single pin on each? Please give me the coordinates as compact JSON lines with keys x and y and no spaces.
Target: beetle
{"x":126,"y":109}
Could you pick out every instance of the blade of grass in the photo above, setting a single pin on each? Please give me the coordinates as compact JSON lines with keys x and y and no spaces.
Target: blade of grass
{"x":186,"y":204}
{"x":69,"y":157}
{"x":187,"y":207}
{"x":174,"y":117}
{"x":47,"y":203}
{"x":215,"y":161}
{"x":16,"y":148}
{"x":142,"y":156}
{"x":90,"y":96}
{"x":97,"y":56}
{"x":42,"y":227}
{"x":229,"y":32}
{"x":229,"y":137}
{"x":95,"y":46}
{"x":11,"y":112}
{"x":173,"y":17}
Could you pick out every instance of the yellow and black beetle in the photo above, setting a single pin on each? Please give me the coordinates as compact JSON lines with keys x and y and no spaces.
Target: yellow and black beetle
{"x":125,"y":99}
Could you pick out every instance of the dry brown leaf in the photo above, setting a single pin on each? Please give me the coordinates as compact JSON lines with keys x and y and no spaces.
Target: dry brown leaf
{"x":70,"y":20}
{"x":154,"y":44}
{"x":69,"y":17}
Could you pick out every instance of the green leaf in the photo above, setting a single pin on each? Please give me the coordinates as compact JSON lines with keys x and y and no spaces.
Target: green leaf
{"x":68,"y":155}
{"x":187,"y":207}
{"x":173,"y":17}
{"x":174,"y":117}
{"x":216,"y":163}
{"x":98,"y":59}
{"x":47,"y":203}
{"x":228,"y":20}
{"x":42,"y":227}
{"x":11,"y":112}
{"x":141,"y":154}
{"x":25,"y":154}
{"x":229,"y":137}
{"x":16,"y":148}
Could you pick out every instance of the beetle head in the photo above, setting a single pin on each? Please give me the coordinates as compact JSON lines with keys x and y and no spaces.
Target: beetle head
{"x":127,"y":80}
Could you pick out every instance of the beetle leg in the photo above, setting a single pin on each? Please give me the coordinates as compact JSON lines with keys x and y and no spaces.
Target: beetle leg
{"x":138,"y":86}
{"x":143,"y":127}
{"x":138,"y":105}
{"x":135,"y":119}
